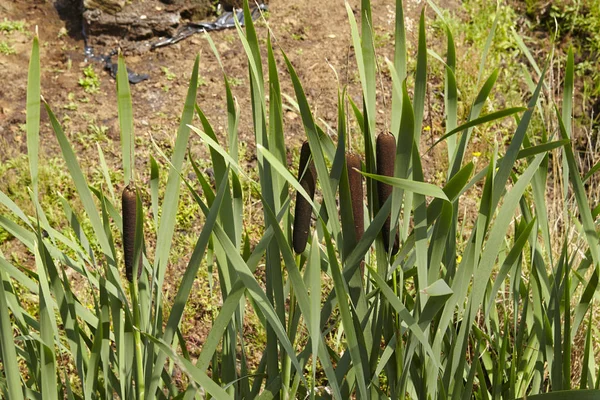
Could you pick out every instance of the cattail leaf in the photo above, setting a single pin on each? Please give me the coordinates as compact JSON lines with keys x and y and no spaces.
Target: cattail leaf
{"x":313,"y":276}
{"x":283,"y":171}
{"x":304,"y":301}
{"x":566,"y":394}
{"x":506,"y":164}
{"x":91,"y":381}
{"x":342,"y":295}
{"x":509,"y":262}
{"x":542,"y":148}
{"x":399,"y":65}
{"x":154,"y":179}
{"x":420,"y":79}
{"x":15,"y":209}
{"x":585,"y":213}
{"x":105,"y":173}
{"x":585,"y":301}
{"x":488,"y":44}
{"x":8,"y":346}
{"x":33,"y":108}
{"x":523,"y":47}
{"x":450,"y":93}
{"x":232,"y":302}
{"x":421,"y":188}
{"x":312,"y":134}
{"x":48,"y":330}
{"x":403,"y":313}
{"x":476,"y":108}
{"x":184,"y":290}
{"x":125,"y":120}
{"x":192,"y":371}
{"x":81,"y":184}
{"x":591,"y":172}
{"x":479,"y":121}
{"x":588,"y":365}
{"x":259,"y":296}
{"x":439,"y":238}
{"x":225,"y":157}
{"x":488,"y":257}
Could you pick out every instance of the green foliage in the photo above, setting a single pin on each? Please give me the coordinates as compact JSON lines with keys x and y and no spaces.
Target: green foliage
{"x":493,"y":316}
{"x":7,"y":26}
{"x":90,"y":81}
{"x":575,"y":23}
{"x":6,"y":49}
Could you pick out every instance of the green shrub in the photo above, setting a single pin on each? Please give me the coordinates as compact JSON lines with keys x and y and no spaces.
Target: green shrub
{"x":494,"y":315}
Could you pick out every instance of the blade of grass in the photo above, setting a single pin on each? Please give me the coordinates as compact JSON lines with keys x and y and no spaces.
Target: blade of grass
{"x":171,"y":200}
{"x":408,"y":185}
{"x":33,"y":113}
{"x":7,"y":346}
{"x":125,"y":120}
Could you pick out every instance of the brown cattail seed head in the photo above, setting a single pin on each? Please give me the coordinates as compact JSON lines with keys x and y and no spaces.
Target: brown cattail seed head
{"x":303,"y":212}
{"x":128,"y":202}
{"x":386,"y":156}
{"x":356,"y":193}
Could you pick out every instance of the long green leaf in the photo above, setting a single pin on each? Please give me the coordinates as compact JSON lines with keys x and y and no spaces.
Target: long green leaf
{"x":33,"y":113}
{"x":125,"y":120}
{"x":7,"y":346}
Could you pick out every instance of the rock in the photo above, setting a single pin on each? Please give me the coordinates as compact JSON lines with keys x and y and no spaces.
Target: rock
{"x":129,"y":25}
{"x":196,"y":10}
{"x":109,"y":6}
{"x":135,"y":20}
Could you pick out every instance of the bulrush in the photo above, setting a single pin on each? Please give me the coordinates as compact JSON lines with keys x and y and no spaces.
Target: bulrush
{"x":356,"y":193}
{"x":386,"y":156}
{"x":303,"y":212}
{"x":128,"y":202}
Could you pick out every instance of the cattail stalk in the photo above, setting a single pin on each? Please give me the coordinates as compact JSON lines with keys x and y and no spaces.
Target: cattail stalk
{"x":385,"y":148}
{"x":303,"y":211}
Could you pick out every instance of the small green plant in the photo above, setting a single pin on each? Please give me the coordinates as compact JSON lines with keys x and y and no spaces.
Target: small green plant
{"x":90,"y":81}
{"x":234,"y":81}
{"x":6,"y":49}
{"x":72,"y":104}
{"x":7,"y":26}
{"x":168,"y":74}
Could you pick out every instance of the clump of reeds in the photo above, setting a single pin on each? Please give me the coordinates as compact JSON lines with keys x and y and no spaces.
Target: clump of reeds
{"x":307,"y":176}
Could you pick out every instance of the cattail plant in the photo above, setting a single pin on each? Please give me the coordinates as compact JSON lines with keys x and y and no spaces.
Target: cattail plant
{"x":307,"y":175}
{"x":128,"y":201}
{"x":386,"y":156}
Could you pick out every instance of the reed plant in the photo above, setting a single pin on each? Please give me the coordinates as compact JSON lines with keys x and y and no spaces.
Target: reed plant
{"x":492,"y":316}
